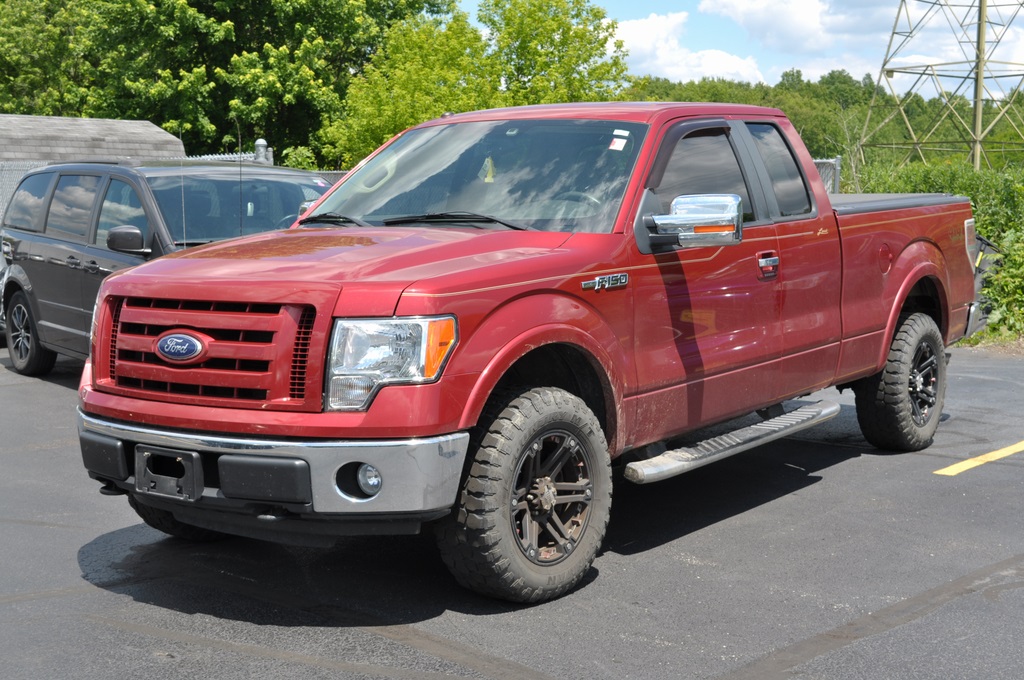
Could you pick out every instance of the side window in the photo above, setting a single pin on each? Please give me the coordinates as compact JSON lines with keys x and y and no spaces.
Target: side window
{"x":703,"y":163}
{"x":72,"y":205}
{"x":121,"y":206}
{"x":28,"y":204}
{"x":788,"y":183}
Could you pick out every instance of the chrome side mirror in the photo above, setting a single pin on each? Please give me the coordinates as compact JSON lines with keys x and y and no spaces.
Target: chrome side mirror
{"x":701,"y":220}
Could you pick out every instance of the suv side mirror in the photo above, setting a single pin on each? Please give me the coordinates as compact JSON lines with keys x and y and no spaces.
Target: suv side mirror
{"x":699,"y":220}
{"x":127,"y":239}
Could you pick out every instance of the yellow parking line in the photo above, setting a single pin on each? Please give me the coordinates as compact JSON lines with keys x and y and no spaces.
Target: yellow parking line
{"x":980,"y":460}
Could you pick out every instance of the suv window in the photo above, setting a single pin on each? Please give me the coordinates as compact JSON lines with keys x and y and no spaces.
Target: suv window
{"x":703,"y":163}
{"x":72,"y":205}
{"x":26,"y":207}
{"x":787,"y":182}
{"x":121,"y":206}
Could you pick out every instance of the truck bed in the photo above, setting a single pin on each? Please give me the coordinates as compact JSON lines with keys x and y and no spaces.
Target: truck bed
{"x":853,"y":204}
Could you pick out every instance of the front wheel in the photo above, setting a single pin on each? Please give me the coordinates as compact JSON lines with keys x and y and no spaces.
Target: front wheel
{"x":535,"y":503}
{"x":899,"y":408}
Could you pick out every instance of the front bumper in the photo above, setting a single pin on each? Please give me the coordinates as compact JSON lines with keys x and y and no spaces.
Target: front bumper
{"x":199,"y":476}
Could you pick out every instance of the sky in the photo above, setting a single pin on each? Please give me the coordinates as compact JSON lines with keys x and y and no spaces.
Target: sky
{"x":758,"y":40}
{"x":753,"y":40}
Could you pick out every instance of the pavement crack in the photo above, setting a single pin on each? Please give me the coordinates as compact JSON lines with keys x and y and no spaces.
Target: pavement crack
{"x":780,"y":664}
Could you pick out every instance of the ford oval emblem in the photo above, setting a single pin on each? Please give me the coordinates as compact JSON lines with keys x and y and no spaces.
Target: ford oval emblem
{"x":179,"y":347}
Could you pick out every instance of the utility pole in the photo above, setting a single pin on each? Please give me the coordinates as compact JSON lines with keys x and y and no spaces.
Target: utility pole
{"x":979,"y":83}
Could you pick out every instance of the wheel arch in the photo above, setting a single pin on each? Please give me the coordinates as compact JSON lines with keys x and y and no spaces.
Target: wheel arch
{"x":922,"y":286}
{"x":559,"y":363}
{"x":568,"y":367}
{"x":15,"y":281}
{"x":579,"y":354}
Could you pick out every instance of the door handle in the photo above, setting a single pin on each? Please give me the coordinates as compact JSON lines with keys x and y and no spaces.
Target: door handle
{"x":768,"y":264}
{"x":92,"y":266}
{"x":73,"y":262}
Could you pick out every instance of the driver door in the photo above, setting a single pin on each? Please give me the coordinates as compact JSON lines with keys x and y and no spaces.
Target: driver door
{"x":706,"y":319}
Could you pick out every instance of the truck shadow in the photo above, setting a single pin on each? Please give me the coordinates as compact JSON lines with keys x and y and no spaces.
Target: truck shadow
{"x":372,"y":581}
{"x":364,"y":581}
{"x":648,"y":516}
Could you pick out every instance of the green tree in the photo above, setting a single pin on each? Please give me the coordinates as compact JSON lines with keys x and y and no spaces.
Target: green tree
{"x":535,"y":51}
{"x":154,"y":64}
{"x":217,"y":70}
{"x":792,"y":80}
{"x":429,"y":65}
{"x":840,"y":88}
{"x":554,"y":50}
{"x":44,"y":57}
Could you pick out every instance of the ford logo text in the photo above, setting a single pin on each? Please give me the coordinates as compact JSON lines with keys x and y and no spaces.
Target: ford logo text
{"x":179,"y":347}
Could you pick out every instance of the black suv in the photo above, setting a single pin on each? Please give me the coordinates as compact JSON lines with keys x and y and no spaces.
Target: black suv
{"x":69,"y":226}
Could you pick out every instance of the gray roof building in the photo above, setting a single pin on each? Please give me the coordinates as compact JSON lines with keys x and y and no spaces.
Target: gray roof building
{"x":28,"y":142}
{"x":54,"y":138}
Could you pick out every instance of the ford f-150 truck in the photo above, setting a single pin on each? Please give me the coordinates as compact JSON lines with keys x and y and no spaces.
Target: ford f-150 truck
{"x":495,"y":308}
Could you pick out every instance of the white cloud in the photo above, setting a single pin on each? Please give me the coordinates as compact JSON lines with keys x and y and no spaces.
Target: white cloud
{"x":789,"y":25}
{"x":655,"y":48}
{"x":756,"y":40}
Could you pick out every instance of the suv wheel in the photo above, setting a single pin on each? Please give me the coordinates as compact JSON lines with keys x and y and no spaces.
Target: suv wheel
{"x":27,"y":355}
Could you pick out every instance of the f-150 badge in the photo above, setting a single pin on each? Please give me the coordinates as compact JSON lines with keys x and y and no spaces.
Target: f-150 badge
{"x":609,"y":281}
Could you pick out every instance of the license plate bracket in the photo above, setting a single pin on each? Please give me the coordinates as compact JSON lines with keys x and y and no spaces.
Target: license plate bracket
{"x":168,"y":472}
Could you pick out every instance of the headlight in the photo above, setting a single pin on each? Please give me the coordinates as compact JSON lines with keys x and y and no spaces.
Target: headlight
{"x":367,"y":354}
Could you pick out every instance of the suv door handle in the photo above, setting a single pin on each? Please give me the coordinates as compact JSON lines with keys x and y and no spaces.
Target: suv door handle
{"x":73,"y":262}
{"x":92,"y":266}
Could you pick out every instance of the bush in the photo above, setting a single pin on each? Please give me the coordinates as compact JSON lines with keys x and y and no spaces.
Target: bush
{"x":997,"y":198}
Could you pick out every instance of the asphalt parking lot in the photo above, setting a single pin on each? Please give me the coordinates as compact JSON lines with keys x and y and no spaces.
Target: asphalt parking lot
{"x":816,"y":557}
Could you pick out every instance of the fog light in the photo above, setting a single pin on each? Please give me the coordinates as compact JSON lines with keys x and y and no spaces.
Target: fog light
{"x":369,"y":480}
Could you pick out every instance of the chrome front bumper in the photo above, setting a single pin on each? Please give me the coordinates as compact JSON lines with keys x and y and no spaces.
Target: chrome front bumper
{"x":419,"y":475}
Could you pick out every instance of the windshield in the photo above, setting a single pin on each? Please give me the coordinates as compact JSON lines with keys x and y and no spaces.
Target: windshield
{"x":552,"y":175}
{"x":202,"y":208}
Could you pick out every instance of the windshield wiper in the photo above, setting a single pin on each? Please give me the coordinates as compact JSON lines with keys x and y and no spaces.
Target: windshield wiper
{"x":333,"y":218}
{"x":194,"y":242}
{"x":453,"y":217}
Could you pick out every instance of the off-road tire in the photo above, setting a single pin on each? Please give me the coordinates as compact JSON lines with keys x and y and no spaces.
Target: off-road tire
{"x":164,"y":521}
{"x":27,"y":356}
{"x":537,"y":462}
{"x":899,"y":408}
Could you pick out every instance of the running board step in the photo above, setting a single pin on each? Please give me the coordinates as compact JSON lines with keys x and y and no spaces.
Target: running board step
{"x":678,"y":461}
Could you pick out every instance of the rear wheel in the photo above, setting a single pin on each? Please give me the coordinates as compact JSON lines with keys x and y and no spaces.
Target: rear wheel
{"x":27,"y":355}
{"x":899,"y":408}
{"x":535,"y":504}
{"x":164,"y":521}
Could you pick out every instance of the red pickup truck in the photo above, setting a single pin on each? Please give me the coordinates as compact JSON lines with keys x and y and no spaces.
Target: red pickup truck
{"x":495,"y":308}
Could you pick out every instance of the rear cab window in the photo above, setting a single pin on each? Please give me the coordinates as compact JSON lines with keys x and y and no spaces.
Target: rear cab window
{"x":787,"y":182}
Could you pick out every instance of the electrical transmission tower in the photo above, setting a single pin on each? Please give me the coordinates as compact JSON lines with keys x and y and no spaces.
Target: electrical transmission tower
{"x":950,"y":51}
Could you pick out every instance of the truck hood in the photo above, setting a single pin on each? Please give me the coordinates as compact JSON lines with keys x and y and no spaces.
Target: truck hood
{"x":371,"y":264}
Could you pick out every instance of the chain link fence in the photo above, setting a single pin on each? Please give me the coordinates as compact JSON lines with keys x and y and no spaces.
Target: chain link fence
{"x":10,"y":174}
{"x":829,"y":169}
